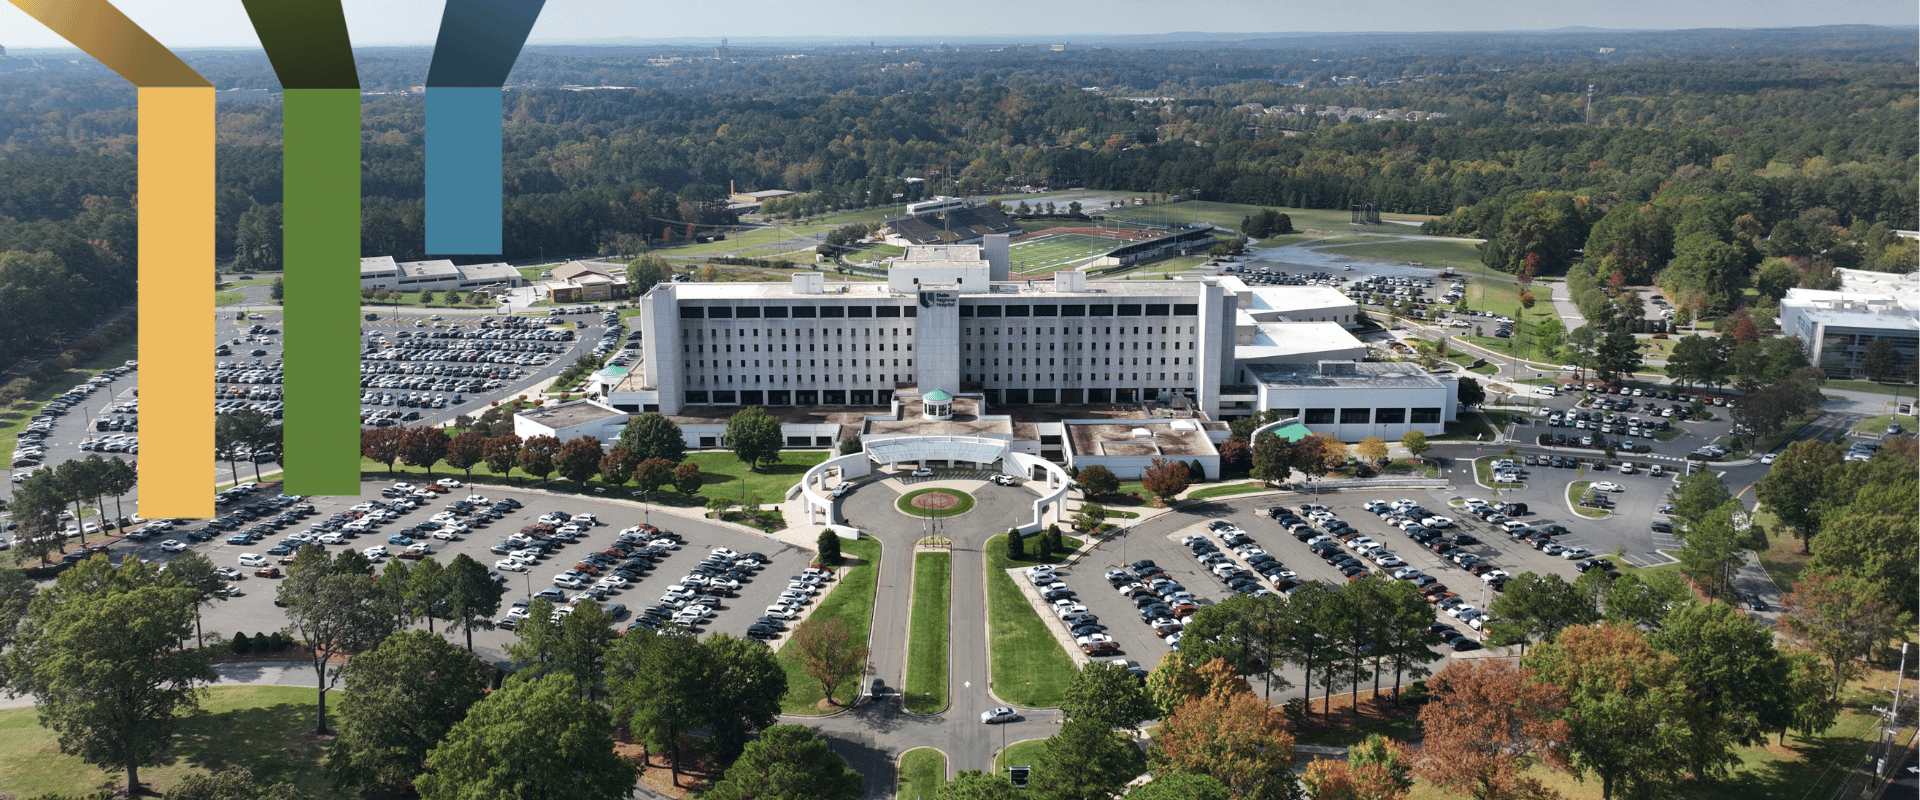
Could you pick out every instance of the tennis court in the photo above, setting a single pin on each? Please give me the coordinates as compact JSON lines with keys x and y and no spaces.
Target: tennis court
{"x":1053,"y":250}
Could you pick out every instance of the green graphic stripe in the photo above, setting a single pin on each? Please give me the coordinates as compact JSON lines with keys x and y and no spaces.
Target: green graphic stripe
{"x":322,"y":245}
{"x":307,"y":42}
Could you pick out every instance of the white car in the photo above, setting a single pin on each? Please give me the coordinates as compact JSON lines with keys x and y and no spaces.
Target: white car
{"x":567,"y":582}
{"x":446,"y":534}
{"x":375,"y":553}
{"x":1768,"y":458}
{"x":1458,"y":610}
{"x":585,"y":520}
{"x":778,"y":611}
{"x":923,"y":473}
{"x":725,"y":553}
{"x":613,"y":582}
{"x":1191,"y":539}
{"x":252,"y":560}
{"x":1496,"y":576}
{"x":1437,"y":522}
{"x":449,"y":483}
{"x":333,"y":537}
{"x":405,"y":487}
{"x":1407,"y":574}
{"x":172,"y":546}
{"x":996,"y":715}
{"x":1036,"y":573}
{"x":479,"y":500}
{"x":1608,"y":486}
{"x":1575,"y":553}
{"x":509,"y":565}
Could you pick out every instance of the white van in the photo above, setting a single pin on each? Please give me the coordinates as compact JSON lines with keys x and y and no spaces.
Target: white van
{"x":1548,"y":391}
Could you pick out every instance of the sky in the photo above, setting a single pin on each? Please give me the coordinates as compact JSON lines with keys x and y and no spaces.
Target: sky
{"x":184,"y":24}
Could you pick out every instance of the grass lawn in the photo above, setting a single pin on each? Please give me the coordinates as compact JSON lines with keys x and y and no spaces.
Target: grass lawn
{"x":13,"y":419}
{"x":926,"y":690}
{"x":923,"y":770}
{"x":221,"y":298}
{"x":1028,"y":667}
{"x":963,"y":503}
{"x":1466,"y":428}
{"x":850,"y":600}
{"x":264,"y":728}
{"x":1877,"y":425}
{"x":1401,"y":728}
{"x":1019,"y":754}
{"x":722,"y":475}
{"x":1222,"y":491}
{"x":745,"y":240}
{"x":1670,"y":434}
{"x":1783,"y":559}
{"x":1903,"y":390}
{"x":1577,"y":490}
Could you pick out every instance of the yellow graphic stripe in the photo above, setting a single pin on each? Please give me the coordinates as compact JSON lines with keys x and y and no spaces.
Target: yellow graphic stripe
{"x":176,"y":216}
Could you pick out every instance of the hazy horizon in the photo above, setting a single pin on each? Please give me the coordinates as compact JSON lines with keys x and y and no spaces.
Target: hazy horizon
{"x":222,"y":24}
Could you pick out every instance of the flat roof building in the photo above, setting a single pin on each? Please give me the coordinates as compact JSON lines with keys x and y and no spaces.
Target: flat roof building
{"x":1835,"y":328}
{"x":382,"y":272}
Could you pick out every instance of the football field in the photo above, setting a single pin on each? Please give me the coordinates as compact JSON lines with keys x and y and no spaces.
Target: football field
{"x":1049,"y":252}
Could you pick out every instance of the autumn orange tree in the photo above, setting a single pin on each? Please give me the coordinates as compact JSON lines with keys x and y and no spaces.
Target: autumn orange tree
{"x":1166,"y":478}
{"x":1838,"y":617}
{"x":1626,"y":707}
{"x":1378,"y":769}
{"x":1237,"y":738}
{"x":1486,"y":723}
{"x":1178,"y":681}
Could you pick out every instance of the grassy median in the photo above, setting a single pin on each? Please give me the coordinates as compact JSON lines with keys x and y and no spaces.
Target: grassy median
{"x":1028,"y":667}
{"x":923,"y":770}
{"x":850,"y":600}
{"x":927,"y":638}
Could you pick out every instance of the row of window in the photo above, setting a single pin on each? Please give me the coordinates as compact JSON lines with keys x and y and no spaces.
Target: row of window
{"x":969,"y":310}
{"x":1081,"y":331}
{"x":1083,"y":346}
{"x":1363,"y":416}
{"x":811,"y":362}
{"x":1082,"y":361}
{"x":1056,"y":377}
{"x":825,"y":348}
{"x":727,"y":380}
{"x":696,"y":333}
{"x":795,"y":312}
{"x":882,"y":397}
{"x":1080,"y":310}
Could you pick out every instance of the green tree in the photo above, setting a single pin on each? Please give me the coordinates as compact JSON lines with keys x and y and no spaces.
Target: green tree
{"x":533,"y":739}
{"x":99,"y":650}
{"x":748,"y":684}
{"x":472,"y":597}
{"x":335,"y":609}
{"x":1471,"y":393}
{"x":644,"y":273}
{"x":1795,"y":489}
{"x":536,"y":640}
{"x":580,"y":648}
{"x":828,"y":547}
{"x":188,"y":570}
{"x":1544,"y":224}
{"x":1181,"y":786}
{"x":1637,"y":597}
{"x":257,"y":239}
{"x":1697,"y":495}
{"x":1738,"y":683}
{"x":1415,"y":442}
{"x":1715,"y":546}
{"x":278,"y":291}
{"x":788,"y":762}
{"x":1245,"y":426}
{"x":662,"y":684}
{"x":1097,"y":481}
{"x":1534,"y":607}
{"x":1016,"y":547}
{"x":402,"y":698}
{"x":426,"y":297}
{"x":754,"y":436}
{"x":1616,"y":355}
{"x":1109,"y":695}
{"x":827,"y":653}
{"x":232,"y":783}
{"x":972,"y":784}
{"x":1086,"y":760}
{"x":850,"y":445}
{"x":1273,"y":458}
{"x":1698,"y":361}
{"x":652,"y":435}
{"x":1625,"y":710}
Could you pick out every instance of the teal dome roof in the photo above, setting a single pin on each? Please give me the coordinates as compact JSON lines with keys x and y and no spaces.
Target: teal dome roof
{"x":937,"y":396}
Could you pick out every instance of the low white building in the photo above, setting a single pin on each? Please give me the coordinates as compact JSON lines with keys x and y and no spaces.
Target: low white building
{"x":1352,"y":400}
{"x":1835,"y":328}
{"x":382,"y":272}
{"x":1130,"y":446}
{"x":571,"y":421}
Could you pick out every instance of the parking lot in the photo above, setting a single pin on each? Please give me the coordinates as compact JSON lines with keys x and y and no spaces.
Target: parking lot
{"x":1103,"y":580}
{"x":252,"y":609}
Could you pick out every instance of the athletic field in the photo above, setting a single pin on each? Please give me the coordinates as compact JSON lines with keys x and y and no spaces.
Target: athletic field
{"x":1044,"y":252}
